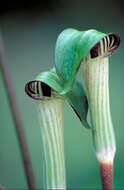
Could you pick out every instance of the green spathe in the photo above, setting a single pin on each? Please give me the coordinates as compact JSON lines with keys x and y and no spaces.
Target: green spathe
{"x":76,"y":96}
{"x":71,"y":47}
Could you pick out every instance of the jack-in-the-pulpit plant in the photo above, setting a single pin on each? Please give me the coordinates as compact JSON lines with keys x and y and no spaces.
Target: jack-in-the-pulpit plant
{"x":46,"y":89}
{"x":50,"y":107}
{"x":95,"y":72}
{"x":91,"y":49}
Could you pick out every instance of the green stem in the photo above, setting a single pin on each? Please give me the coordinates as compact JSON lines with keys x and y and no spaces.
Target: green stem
{"x":51,"y":116}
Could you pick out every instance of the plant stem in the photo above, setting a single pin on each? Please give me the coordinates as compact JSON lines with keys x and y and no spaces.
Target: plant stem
{"x":17,"y":120}
{"x":95,"y":75}
{"x":51,"y":116}
{"x":106,"y":171}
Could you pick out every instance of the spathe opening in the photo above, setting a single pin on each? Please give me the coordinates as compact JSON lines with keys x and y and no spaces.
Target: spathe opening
{"x":46,"y":90}
{"x":38,"y":90}
{"x":106,"y":46}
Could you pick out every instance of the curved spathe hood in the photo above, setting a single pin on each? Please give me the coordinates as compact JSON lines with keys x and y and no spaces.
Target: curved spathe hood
{"x":71,"y":48}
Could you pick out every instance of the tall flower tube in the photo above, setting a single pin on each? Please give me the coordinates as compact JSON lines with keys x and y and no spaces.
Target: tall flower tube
{"x":90,"y":50}
{"x":50,"y":108}
{"x":95,"y":72}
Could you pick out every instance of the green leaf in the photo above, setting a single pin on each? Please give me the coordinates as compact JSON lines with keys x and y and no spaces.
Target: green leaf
{"x":77,"y":99}
{"x":71,"y":47}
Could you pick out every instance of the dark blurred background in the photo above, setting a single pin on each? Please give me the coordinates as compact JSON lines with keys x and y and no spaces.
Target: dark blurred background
{"x":29,"y":30}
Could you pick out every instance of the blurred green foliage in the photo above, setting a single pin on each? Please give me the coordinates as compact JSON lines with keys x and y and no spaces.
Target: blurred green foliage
{"x":30,"y":43}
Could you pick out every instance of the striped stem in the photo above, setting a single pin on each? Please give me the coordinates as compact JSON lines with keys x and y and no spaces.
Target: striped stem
{"x":95,"y":76}
{"x":51,"y":116}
